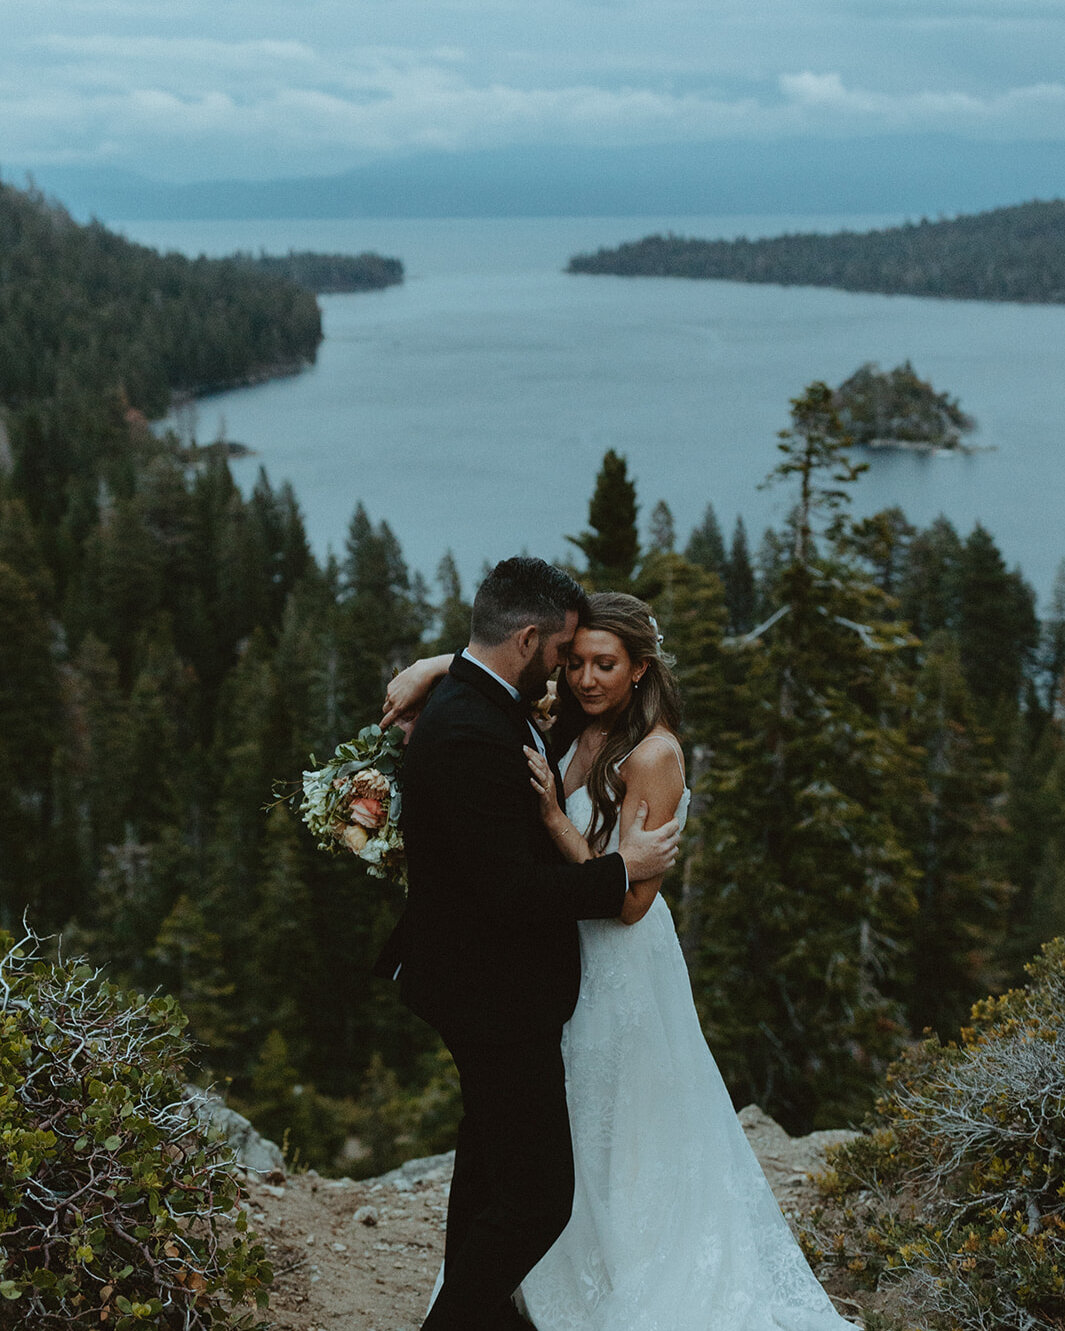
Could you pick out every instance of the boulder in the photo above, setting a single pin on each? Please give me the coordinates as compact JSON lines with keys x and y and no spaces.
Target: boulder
{"x":251,"y":1151}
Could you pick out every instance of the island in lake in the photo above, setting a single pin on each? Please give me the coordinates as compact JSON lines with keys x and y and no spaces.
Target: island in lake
{"x":899,"y":410}
{"x":1015,"y":254}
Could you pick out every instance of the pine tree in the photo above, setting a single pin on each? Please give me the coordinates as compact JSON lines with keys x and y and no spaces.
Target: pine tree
{"x":94,"y":756}
{"x":740,"y":591}
{"x":612,"y":546}
{"x":307,"y":670}
{"x":121,"y":585}
{"x":283,"y":976}
{"x":1034,"y":814}
{"x":706,"y":545}
{"x":998,"y":632}
{"x":453,"y":612}
{"x":806,"y":881}
{"x":382,"y":621}
{"x":310,"y":1128}
{"x":663,"y":529}
{"x":30,"y":727}
{"x":1045,"y":918}
{"x":689,"y":605}
{"x":20,"y":550}
{"x":930,"y":585}
{"x":882,"y":542}
{"x":253,"y":746}
{"x":770,"y":562}
{"x":279,"y":539}
{"x":138,"y":885}
{"x":1052,"y":647}
{"x":957,"y":830}
{"x":191,"y":965}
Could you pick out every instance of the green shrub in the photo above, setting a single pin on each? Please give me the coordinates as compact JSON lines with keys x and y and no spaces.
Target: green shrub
{"x":115,"y":1209}
{"x":952,"y":1206}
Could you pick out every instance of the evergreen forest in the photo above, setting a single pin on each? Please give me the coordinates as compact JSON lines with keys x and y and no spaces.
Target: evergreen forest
{"x":875,"y":726}
{"x":324,"y":273}
{"x":1015,"y":253}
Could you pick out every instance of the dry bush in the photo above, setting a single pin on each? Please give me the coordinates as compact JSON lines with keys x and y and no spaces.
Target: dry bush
{"x":952,"y":1205}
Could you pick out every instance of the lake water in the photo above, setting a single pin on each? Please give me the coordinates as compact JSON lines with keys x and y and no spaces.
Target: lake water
{"x":471,"y":406}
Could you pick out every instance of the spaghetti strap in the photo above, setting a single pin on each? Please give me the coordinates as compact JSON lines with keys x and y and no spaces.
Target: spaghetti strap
{"x":666,"y":739}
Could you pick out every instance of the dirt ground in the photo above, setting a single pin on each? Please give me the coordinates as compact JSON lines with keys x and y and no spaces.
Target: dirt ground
{"x":363,"y":1256}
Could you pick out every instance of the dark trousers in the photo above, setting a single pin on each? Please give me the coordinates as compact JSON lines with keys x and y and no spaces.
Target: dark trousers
{"x":512,"y":1191}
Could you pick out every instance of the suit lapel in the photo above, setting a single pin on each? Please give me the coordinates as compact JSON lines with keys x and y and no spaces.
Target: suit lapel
{"x":470,"y":673}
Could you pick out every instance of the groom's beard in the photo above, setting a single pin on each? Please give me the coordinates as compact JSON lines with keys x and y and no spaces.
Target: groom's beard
{"x":532,"y":682}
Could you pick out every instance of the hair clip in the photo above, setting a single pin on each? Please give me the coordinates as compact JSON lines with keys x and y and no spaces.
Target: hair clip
{"x":654,"y":625}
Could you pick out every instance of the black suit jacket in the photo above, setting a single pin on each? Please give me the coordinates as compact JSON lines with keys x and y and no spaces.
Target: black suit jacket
{"x":488,"y":944}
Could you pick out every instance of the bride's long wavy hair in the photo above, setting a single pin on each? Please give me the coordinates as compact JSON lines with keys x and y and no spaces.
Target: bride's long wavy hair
{"x":655,"y":702}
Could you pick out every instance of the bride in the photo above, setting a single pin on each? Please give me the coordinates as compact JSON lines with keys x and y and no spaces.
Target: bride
{"x":674,"y":1227}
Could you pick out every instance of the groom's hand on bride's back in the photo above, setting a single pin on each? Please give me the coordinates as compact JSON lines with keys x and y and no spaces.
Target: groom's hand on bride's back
{"x":649,"y":854}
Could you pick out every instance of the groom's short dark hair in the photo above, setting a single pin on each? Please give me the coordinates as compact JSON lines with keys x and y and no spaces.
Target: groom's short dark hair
{"x":523,"y":591}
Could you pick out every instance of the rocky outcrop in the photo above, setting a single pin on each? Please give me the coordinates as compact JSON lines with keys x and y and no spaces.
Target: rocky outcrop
{"x":788,"y":1162}
{"x":251,"y":1152}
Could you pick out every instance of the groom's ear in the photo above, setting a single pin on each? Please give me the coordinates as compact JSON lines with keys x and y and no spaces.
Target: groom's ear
{"x":527,"y":640}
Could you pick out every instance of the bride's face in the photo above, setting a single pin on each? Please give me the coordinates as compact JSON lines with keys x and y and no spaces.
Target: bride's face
{"x":601,"y":673}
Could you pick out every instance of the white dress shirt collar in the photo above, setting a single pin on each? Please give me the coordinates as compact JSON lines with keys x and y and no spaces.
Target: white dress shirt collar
{"x":489,"y":671}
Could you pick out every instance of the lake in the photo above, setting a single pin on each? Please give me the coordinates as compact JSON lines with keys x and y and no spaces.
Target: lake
{"x":471,"y":406}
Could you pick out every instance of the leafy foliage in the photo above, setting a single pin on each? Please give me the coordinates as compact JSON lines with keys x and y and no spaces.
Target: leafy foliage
{"x":114,"y":1207}
{"x":952,"y":1202}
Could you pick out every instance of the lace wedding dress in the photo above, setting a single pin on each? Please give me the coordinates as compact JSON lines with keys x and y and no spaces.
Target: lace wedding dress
{"x":674,"y":1227}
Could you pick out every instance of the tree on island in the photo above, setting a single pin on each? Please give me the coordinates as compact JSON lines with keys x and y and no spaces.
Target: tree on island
{"x":898,"y":408}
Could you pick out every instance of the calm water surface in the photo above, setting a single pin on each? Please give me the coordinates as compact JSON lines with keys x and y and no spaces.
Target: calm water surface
{"x":471,"y":406}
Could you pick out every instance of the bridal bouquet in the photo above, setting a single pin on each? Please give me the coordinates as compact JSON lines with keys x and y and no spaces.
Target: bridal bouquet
{"x":352,"y":802}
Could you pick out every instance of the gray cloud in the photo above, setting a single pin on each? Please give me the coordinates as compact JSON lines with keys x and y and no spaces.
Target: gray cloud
{"x":286,"y":86}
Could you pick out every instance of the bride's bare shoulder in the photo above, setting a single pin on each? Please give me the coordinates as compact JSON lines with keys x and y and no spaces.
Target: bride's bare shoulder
{"x":657,"y":754}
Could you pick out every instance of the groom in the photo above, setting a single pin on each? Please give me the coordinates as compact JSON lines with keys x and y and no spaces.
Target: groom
{"x":487,"y":951}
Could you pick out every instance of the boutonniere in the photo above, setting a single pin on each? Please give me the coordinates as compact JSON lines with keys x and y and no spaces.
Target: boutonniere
{"x":545,"y":710}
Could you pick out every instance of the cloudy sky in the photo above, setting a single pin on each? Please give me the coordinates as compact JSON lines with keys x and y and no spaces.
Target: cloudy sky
{"x":191,"y":89}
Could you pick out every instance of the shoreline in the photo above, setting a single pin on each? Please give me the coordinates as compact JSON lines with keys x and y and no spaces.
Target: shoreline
{"x":925,"y":446}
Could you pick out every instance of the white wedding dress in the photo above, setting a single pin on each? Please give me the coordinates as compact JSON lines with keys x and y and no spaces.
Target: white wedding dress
{"x":674,"y":1227}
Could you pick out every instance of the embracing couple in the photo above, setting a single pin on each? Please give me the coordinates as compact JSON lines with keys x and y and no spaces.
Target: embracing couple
{"x":602,"y":1181}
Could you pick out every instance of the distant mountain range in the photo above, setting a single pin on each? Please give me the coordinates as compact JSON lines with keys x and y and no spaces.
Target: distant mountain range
{"x":914,"y":175}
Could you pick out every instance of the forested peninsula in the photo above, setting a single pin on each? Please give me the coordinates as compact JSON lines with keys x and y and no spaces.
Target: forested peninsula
{"x":1007,"y":254}
{"x":328,"y":273}
{"x":81,"y":306}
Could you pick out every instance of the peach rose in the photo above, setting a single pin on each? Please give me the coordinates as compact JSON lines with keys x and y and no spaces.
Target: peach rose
{"x":367,"y":812}
{"x":354,"y":838}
